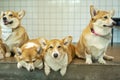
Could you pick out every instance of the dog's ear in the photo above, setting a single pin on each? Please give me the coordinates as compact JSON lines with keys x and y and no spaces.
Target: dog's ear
{"x":112,"y":12}
{"x":17,"y":51}
{"x":67,"y":40}
{"x":43,"y":42}
{"x":92,"y":11}
{"x":21,"y":14}
{"x":2,"y":13}
{"x":39,"y":50}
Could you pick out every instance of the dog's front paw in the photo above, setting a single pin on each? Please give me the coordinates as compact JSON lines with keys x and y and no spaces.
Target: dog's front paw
{"x":8,"y":54}
{"x":102,"y":61}
{"x":88,"y":61}
{"x":47,"y":71}
{"x":19,"y":65}
{"x":63,"y":71}
{"x":1,"y":56}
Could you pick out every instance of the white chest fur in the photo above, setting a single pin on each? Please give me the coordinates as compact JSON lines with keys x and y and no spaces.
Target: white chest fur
{"x":6,"y":32}
{"x":97,"y":44}
{"x":56,"y":64}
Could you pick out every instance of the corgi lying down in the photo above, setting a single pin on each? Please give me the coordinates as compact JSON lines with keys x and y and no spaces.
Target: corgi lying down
{"x":29,"y":55}
{"x":13,"y":34}
{"x":95,"y":38}
{"x":58,"y":54}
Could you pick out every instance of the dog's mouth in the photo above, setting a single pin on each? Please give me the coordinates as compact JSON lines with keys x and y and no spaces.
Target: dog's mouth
{"x":108,"y":26}
{"x":113,"y":24}
{"x":7,"y":22}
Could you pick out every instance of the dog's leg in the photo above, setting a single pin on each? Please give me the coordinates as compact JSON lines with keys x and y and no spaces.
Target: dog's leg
{"x":8,"y":53}
{"x":19,"y":65}
{"x":101,"y":60}
{"x":63,"y":70}
{"x":47,"y":69}
{"x":106,"y":57}
{"x":1,"y":56}
{"x":38,"y":64}
{"x":88,"y":58}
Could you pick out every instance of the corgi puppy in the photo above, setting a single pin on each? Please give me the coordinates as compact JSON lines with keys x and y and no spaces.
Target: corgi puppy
{"x":4,"y":51}
{"x":29,"y":55}
{"x":95,"y":38}
{"x":58,"y":54}
{"x":12,"y":33}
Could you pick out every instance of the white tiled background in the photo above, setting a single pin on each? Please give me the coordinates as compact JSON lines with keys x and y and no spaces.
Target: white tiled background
{"x":59,"y":18}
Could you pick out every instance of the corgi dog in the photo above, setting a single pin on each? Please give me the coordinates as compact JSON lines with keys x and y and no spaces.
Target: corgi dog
{"x":29,"y":55}
{"x":12,"y":33}
{"x":4,"y":51}
{"x":95,"y":38}
{"x":58,"y":54}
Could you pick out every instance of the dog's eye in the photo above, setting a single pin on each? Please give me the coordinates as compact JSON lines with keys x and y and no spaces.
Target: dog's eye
{"x":10,"y":15}
{"x":59,"y":46}
{"x":50,"y":47}
{"x":27,"y":61}
{"x":105,"y":17}
{"x":4,"y":14}
{"x":34,"y":61}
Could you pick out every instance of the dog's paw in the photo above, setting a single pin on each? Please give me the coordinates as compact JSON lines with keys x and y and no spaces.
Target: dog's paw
{"x":102,"y":61}
{"x":19,"y":65}
{"x":63,"y":71}
{"x":47,"y":71}
{"x":88,"y":61}
{"x":8,"y":54}
{"x":1,"y":56}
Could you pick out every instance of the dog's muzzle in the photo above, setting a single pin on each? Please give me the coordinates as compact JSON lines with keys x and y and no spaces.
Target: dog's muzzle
{"x":113,"y":24}
{"x":6,"y":22}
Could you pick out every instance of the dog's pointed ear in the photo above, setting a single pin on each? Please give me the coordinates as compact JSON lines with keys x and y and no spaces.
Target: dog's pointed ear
{"x":93,"y":12}
{"x":2,"y":13}
{"x":17,"y":51}
{"x":112,"y":12}
{"x":21,"y":14}
{"x":67,"y":40}
{"x":43,"y":42}
{"x":39,"y":50}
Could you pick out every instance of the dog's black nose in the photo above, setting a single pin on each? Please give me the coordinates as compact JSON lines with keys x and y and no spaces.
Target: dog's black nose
{"x":55,"y":55}
{"x":4,"y":18}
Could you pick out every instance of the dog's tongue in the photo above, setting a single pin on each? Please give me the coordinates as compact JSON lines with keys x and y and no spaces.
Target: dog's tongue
{"x":5,"y":22}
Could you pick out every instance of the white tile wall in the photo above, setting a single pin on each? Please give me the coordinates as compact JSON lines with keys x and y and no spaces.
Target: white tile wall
{"x":59,"y":18}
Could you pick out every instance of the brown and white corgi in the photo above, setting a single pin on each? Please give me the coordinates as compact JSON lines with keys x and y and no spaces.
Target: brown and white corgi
{"x":29,"y":55}
{"x":58,"y":54}
{"x":95,"y":38}
{"x":4,"y":51}
{"x":13,"y":34}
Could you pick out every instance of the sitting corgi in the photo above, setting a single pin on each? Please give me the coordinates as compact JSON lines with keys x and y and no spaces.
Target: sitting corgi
{"x":4,"y":51}
{"x":29,"y":55}
{"x":12,"y":33}
{"x":96,"y":36}
{"x":58,"y":54}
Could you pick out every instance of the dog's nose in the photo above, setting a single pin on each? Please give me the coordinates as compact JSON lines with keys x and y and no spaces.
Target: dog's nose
{"x":114,"y":23}
{"x":55,"y":55}
{"x":4,"y":18}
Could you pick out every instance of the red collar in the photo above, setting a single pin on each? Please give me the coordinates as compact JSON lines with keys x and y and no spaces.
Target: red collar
{"x":93,"y":31}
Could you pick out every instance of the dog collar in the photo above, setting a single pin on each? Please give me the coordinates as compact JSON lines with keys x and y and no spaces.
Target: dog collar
{"x":93,"y":31}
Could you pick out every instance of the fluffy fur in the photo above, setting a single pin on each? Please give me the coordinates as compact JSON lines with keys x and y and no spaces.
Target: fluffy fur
{"x":29,"y":55}
{"x":58,"y":54}
{"x":95,"y":38}
{"x":13,"y":34}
